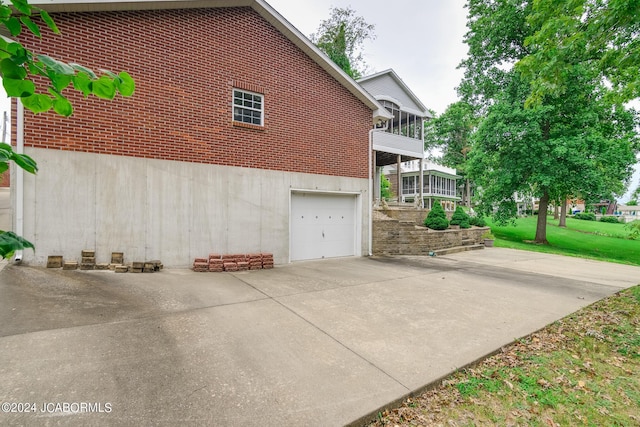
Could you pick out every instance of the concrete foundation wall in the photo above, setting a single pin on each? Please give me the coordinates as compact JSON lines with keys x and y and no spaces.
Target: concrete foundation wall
{"x":394,"y":237}
{"x":160,"y":209}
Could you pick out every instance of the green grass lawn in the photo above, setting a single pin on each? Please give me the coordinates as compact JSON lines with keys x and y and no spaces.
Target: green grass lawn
{"x":586,"y":239}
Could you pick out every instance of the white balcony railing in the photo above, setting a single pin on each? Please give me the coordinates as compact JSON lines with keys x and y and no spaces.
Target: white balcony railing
{"x":427,"y":193}
{"x":398,"y":144}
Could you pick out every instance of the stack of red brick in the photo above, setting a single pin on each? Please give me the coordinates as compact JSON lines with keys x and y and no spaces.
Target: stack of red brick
{"x":233,"y":262}
{"x":201,"y":265}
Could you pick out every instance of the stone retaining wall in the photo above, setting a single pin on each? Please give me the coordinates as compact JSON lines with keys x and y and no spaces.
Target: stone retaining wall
{"x":416,"y":215}
{"x":396,"y":237}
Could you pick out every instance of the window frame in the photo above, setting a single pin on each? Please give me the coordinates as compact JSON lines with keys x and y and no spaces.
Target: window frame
{"x":246,"y":108}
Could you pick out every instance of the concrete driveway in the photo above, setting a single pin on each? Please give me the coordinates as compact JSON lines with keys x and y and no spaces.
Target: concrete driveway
{"x":320,"y":343}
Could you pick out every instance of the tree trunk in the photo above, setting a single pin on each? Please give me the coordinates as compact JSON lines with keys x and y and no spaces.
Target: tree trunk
{"x":541,"y":229}
{"x":556,"y":213}
{"x":563,"y":214}
{"x":468,"y":191}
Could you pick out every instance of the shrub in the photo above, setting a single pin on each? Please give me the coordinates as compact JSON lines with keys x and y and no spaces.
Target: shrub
{"x":465,"y":224}
{"x":437,"y":218}
{"x":610,"y":219}
{"x":586,"y":216}
{"x":459,"y":216}
{"x":478,"y":221}
{"x":634,"y":229}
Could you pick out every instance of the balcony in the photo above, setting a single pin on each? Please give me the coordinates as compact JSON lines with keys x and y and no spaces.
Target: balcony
{"x":442,"y":192}
{"x":393,"y":144}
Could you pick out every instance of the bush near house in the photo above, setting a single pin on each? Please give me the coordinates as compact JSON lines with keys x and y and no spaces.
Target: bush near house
{"x":609,"y":219}
{"x":460,"y":218}
{"x":478,"y":221}
{"x":437,"y":218}
{"x":586,"y":216}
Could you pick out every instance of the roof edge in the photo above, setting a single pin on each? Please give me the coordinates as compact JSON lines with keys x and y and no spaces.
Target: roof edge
{"x":260,"y":6}
{"x":425,"y":112}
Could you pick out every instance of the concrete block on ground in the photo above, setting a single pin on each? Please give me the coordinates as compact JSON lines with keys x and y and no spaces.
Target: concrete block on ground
{"x":70,"y":265}
{"x":117,"y":257}
{"x":87,"y":266}
{"x":155,"y":264}
{"x":54,"y":261}
{"x":102,"y":266}
{"x":88,"y":253}
{"x":121,"y":269}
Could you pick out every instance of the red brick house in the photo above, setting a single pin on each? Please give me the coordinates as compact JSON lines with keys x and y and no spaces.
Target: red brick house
{"x":241,"y":137}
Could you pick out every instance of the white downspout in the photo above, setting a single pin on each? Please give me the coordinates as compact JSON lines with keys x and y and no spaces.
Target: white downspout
{"x":19,"y":207}
{"x":371,"y":185}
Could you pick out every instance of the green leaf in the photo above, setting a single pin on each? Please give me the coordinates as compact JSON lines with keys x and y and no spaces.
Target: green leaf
{"x":31,"y":25}
{"x":5,"y":12}
{"x":22,"y":160}
{"x":46,"y":18}
{"x":82,"y":82}
{"x":5,"y":152}
{"x":104,"y":87}
{"x":37,"y":103}
{"x":23,"y":6}
{"x":60,"y":81}
{"x":83,"y":69}
{"x":109,"y":73}
{"x":126,"y":84}
{"x":11,"y":242}
{"x":3,"y":166}
{"x":61,"y":105}
{"x":10,"y":70}
{"x":18,"y":88}
{"x":25,"y":162}
{"x":18,"y":52}
{"x":56,"y":66}
{"x":14,"y":26}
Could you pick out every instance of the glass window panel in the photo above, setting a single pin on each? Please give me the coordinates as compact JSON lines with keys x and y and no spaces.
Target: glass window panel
{"x":248,"y":107}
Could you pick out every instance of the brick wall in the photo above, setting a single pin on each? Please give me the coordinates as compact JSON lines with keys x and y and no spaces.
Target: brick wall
{"x":5,"y":179}
{"x":185,"y":63}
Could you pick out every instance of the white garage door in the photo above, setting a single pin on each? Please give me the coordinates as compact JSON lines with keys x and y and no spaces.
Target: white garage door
{"x":322,"y":226}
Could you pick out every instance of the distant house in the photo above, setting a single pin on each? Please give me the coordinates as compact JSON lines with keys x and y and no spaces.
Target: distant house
{"x":401,"y":138}
{"x":439,"y":183}
{"x":628,"y":213}
{"x":241,"y":137}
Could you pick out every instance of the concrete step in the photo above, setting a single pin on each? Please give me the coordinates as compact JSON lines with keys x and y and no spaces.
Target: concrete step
{"x":456,"y":249}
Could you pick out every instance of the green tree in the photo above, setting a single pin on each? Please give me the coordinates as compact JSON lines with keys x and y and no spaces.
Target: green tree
{"x":579,"y":142}
{"x":451,"y":132}
{"x":602,"y":34}
{"x":21,"y":68}
{"x":385,"y":188}
{"x":341,"y":37}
